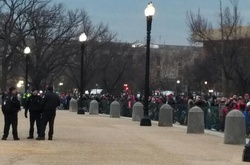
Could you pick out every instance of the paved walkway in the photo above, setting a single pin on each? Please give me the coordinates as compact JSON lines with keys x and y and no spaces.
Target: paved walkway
{"x":100,"y":140}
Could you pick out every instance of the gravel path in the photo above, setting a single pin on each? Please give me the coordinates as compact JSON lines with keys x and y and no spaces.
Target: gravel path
{"x":100,"y":140}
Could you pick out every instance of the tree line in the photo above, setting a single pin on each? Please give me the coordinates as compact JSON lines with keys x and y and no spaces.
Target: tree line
{"x":226,"y":46}
{"x":51,"y":31}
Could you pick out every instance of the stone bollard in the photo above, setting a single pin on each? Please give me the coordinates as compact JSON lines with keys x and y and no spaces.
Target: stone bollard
{"x":137,"y":111}
{"x":195,"y":120}
{"x":115,"y":109}
{"x":73,"y":106}
{"x":166,"y":116}
{"x":235,"y":128}
{"x":94,"y":107}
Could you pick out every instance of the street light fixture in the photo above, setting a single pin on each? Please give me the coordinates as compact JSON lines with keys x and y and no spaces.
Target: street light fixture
{"x":20,"y":82}
{"x":26,"y":52}
{"x":96,"y":86}
{"x":178,"y":82}
{"x":205,"y":85}
{"x":210,"y":90}
{"x":18,"y":85}
{"x":60,"y":87}
{"x":82,"y":39}
{"x":149,"y":13}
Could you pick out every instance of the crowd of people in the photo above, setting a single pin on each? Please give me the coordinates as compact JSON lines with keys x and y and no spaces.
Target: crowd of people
{"x":42,"y":108}
{"x":215,"y":108}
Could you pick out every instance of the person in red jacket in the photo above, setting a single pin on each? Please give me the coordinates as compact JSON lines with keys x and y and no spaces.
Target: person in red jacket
{"x":241,"y":104}
{"x":223,"y":113}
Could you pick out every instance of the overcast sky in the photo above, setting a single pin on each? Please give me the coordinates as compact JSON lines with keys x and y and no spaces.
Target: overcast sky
{"x":126,"y":17}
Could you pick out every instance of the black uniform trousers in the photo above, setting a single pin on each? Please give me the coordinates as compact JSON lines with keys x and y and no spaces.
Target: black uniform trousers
{"x":35,"y":117}
{"x":47,"y":117}
{"x":10,"y":119}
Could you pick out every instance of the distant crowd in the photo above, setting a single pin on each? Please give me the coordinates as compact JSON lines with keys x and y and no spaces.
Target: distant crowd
{"x":215,"y":108}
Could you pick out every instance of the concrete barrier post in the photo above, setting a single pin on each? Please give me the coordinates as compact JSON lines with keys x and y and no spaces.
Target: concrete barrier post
{"x":115,"y":109}
{"x":235,"y":128}
{"x":73,"y":106}
{"x":195,"y":120}
{"x":137,"y":111}
{"x":94,"y":107}
{"x":166,"y":116}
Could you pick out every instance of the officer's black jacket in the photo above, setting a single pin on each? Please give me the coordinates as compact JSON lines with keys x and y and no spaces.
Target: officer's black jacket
{"x":50,"y":101}
{"x":33,"y":103}
{"x":15,"y":104}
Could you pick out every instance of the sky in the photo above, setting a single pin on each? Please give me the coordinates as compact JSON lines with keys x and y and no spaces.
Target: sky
{"x":126,"y":17}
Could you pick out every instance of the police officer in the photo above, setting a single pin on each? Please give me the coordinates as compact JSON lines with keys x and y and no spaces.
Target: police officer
{"x":33,"y":105}
{"x":49,"y":103}
{"x":25,"y":98}
{"x":10,"y":113}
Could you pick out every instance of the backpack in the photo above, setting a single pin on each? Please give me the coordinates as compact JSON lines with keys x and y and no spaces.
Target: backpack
{"x":7,"y":104}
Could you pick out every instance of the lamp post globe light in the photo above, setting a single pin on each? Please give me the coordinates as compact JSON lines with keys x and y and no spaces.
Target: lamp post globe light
{"x":26,"y":52}
{"x":177,"y":86}
{"x":149,"y":13}
{"x":206,"y":87}
{"x":82,"y":39}
{"x":60,"y":87}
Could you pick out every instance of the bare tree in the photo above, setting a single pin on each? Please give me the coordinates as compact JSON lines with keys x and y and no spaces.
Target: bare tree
{"x":55,"y":30}
{"x":14,"y":15}
{"x":116,"y":60}
{"x":224,"y":43}
{"x":99,"y":37}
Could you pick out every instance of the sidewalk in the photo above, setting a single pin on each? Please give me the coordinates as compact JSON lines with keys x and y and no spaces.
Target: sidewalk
{"x":101,"y":140}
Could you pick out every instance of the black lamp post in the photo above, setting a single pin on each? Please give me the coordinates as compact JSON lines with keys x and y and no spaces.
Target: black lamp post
{"x":205,"y":83}
{"x":177,"y":87}
{"x":60,"y":87}
{"x":96,"y":86}
{"x":149,"y":12}
{"x":246,"y":153}
{"x":82,"y":39}
{"x":26,"y":52}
